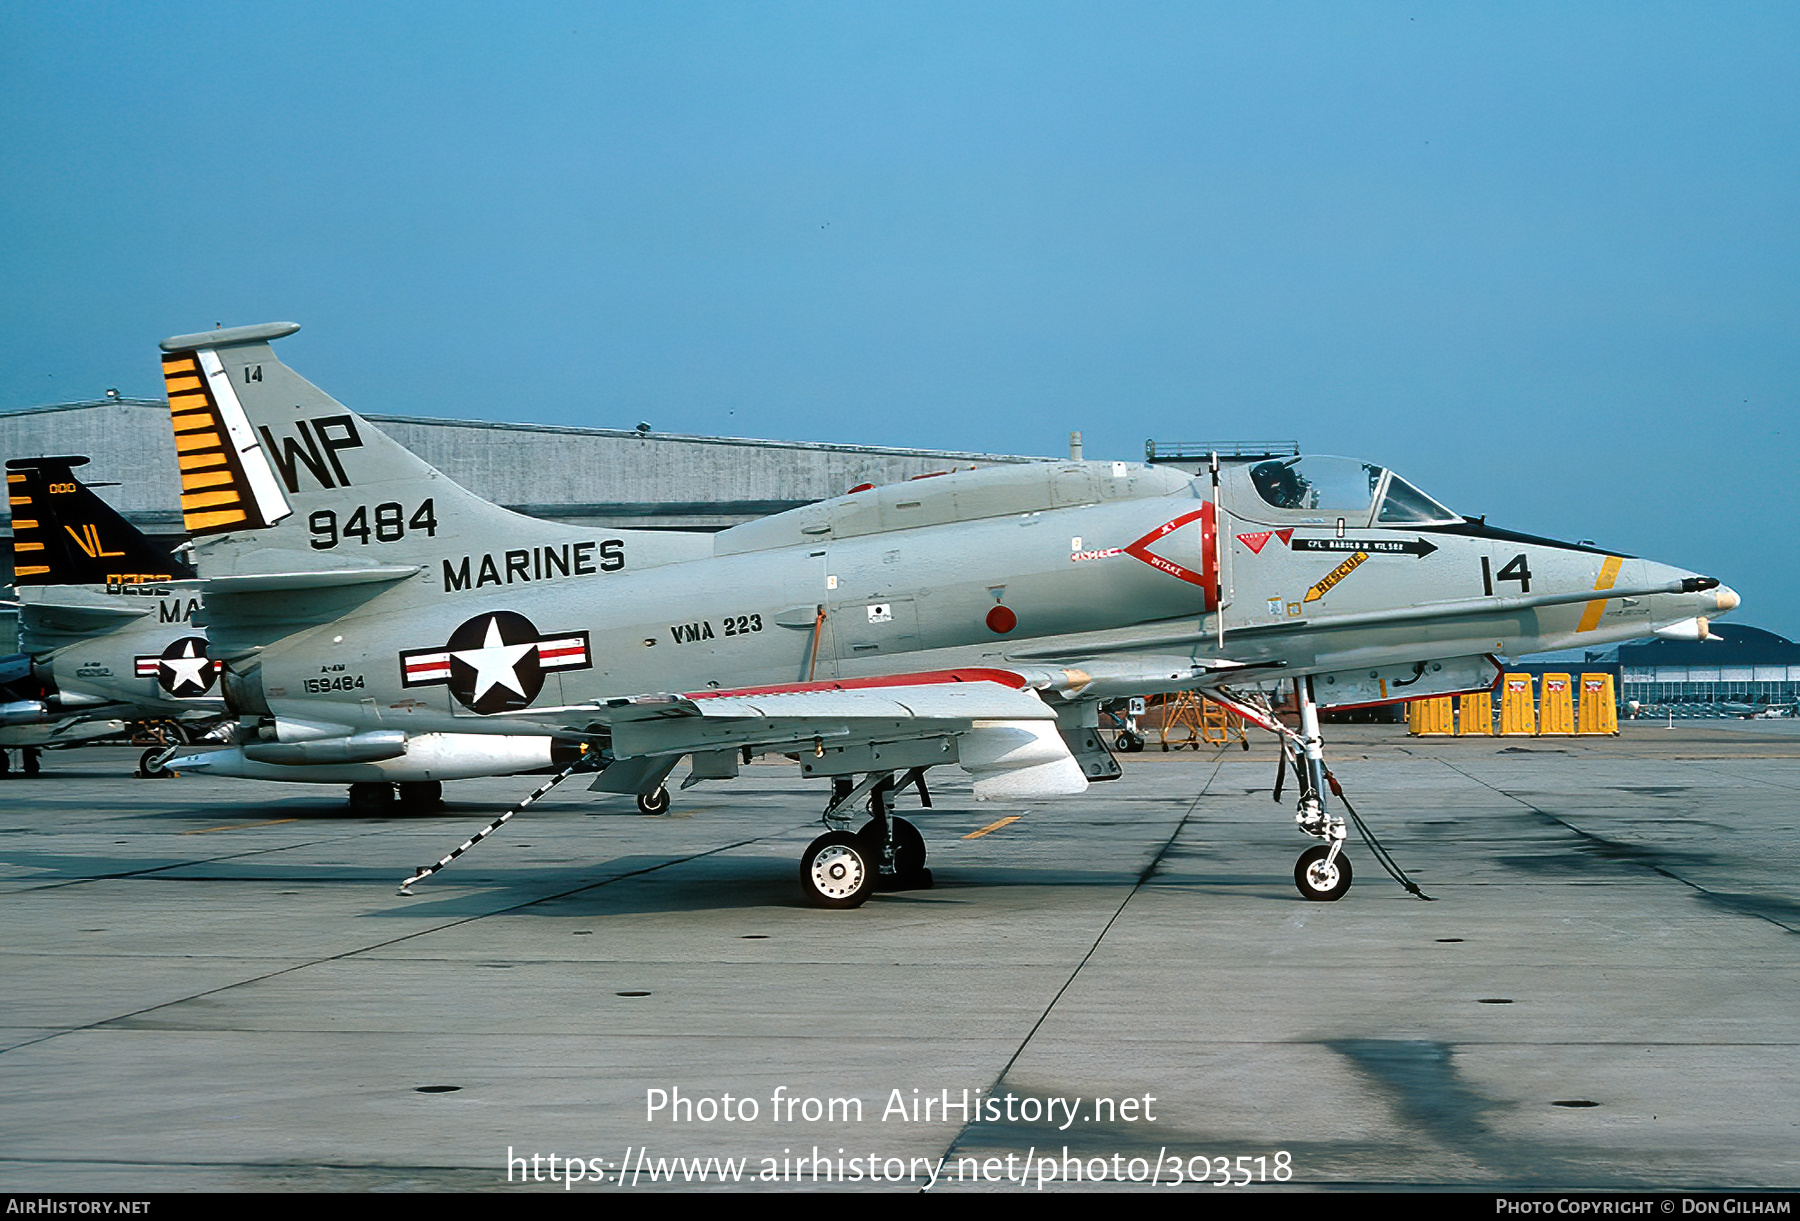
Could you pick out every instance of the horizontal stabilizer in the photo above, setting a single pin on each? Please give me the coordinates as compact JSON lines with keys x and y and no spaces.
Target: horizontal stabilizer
{"x":56,"y":618}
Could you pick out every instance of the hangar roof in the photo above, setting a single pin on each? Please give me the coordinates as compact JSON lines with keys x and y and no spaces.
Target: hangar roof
{"x":644,"y":479}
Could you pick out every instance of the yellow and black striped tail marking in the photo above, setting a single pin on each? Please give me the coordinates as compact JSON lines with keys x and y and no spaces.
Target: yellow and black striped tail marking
{"x":215,"y":492}
{"x":27,"y":546}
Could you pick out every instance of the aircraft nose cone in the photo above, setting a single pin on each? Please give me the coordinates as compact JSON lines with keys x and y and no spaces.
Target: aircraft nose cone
{"x":1727,"y":598}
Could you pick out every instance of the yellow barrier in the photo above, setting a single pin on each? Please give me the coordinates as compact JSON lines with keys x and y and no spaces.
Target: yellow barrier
{"x":1599,"y":711}
{"x":1556,"y":705}
{"x":1430,"y":716}
{"x":1475,"y":714}
{"x":1518,"y":713}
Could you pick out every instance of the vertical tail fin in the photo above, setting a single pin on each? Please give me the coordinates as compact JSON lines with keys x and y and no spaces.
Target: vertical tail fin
{"x":278,"y":474}
{"x":63,"y":534}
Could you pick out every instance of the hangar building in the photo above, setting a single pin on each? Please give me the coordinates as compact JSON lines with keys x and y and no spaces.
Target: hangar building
{"x":643,"y":479}
{"x":627,"y":477}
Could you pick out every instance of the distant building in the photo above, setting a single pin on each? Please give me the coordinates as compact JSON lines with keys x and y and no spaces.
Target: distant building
{"x":1746,"y":669}
{"x":625,"y":477}
{"x":1743,"y":670}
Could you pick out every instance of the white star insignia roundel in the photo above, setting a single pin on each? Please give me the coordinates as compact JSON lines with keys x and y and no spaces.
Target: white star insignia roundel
{"x":495,"y":662}
{"x":183,"y":670}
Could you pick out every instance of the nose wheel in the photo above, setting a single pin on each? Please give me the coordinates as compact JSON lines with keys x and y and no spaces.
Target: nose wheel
{"x":1320,"y":877}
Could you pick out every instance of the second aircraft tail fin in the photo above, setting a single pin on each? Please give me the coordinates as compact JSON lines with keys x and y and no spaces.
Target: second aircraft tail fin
{"x":63,"y":534}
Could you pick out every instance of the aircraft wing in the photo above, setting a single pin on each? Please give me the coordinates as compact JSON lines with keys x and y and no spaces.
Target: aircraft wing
{"x":998,"y":729}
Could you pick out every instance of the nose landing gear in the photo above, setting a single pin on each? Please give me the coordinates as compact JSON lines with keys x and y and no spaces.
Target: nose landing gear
{"x":1323,"y":873}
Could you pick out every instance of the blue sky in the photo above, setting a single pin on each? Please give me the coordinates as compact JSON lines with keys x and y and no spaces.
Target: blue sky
{"x":1540,"y":258}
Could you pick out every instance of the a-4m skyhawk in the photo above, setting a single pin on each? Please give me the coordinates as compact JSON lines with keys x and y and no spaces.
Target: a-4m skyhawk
{"x":359,"y":600}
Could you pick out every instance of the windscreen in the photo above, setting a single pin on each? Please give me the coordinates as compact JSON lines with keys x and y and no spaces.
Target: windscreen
{"x":1404,"y":505}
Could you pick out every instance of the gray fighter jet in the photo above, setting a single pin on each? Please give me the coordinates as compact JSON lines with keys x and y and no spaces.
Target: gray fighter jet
{"x":105,"y":637}
{"x":360,"y":600}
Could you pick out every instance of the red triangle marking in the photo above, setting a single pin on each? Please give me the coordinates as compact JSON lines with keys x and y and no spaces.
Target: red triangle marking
{"x":1255,"y":541}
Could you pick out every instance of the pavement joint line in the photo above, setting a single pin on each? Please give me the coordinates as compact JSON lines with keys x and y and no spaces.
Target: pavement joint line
{"x":1592,"y":838}
{"x":1792,"y":788}
{"x":1142,"y":878}
{"x":204,"y":860}
{"x":391,"y":941}
{"x":244,"y":826}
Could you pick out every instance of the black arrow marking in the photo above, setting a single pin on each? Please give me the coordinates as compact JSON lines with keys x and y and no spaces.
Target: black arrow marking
{"x":1374,"y":546}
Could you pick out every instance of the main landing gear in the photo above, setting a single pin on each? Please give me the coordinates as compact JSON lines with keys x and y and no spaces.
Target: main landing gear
{"x":841,"y":869}
{"x":373,"y":799}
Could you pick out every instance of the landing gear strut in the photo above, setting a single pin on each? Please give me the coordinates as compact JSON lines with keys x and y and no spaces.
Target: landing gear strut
{"x":1321,"y":872}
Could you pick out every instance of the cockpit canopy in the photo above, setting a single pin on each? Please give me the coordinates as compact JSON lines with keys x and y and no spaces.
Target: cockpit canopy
{"x":1320,"y":486}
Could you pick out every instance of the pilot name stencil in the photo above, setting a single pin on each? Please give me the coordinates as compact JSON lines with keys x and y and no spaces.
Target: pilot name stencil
{"x":1374,"y":546}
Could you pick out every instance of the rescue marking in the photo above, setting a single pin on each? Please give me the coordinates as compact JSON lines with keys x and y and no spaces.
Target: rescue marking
{"x":1334,"y":576}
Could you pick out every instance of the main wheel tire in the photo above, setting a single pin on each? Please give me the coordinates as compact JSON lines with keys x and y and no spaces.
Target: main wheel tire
{"x":31,"y":761}
{"x":654,"y":803}
{"x":1316,"y":880}
{"x":148,"y":767}
{"x":836,"y":871}
{"x":421,"y":796}
{"x":909,"y":855}
{"x":371,"y":799}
